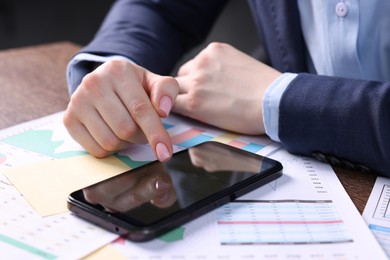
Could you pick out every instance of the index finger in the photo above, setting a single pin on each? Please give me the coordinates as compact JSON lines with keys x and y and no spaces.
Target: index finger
{"x":138,"y":102}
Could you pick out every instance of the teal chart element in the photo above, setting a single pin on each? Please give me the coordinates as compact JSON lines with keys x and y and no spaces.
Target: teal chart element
{"x":40,"y":141}
{"x":174,"y":235}
{"x":129,"y":162}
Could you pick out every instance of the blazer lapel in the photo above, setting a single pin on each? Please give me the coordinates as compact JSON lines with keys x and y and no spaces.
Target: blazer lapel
{"x":279,"y":25}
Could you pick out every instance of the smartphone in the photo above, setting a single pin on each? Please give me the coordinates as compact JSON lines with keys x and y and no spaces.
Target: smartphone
{"x":148,"y":201}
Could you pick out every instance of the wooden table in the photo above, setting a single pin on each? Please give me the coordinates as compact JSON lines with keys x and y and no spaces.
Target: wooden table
{"x":33,"y":84}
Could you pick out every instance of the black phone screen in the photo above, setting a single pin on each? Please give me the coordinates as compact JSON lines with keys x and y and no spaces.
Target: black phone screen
{"x":191,"y":178}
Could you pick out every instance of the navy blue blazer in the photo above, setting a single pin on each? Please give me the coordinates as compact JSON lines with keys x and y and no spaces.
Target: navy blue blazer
{"x":339,"y":120}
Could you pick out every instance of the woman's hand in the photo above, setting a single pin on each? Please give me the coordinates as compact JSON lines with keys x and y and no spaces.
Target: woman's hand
{"x":224,"y":87}
{"x":121,"y":103}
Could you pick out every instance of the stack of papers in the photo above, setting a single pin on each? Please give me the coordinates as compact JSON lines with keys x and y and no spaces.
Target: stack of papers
{"x":305,"y":214}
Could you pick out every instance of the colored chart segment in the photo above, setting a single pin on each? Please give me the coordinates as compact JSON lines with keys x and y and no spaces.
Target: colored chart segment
{"x":281,"y":222}
{"x":377,"y":213}
{"x":174,"y":235}
{"x":193,"y":136}
{"x":382,"y":234}
{"x":233,"y":140}
{"x":26,"y":247}
{"x":129,"y":162}
{"x":251,"y":147}
{"x":3,"y":158}
{"x":39,"y":141}
{"x":190,"y":138}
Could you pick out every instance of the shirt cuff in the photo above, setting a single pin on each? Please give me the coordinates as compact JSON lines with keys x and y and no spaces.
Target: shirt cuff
{"x":80,"y":65}
{"x":271,"y":102}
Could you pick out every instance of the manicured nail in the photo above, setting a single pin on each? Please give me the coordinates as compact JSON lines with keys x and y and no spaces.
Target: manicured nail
{"x":162,"y":152}
{"x":165,"y":105}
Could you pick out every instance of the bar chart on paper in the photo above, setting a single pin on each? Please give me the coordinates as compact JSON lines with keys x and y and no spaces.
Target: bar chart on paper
{"x":296,"y":216}
{"x":377,"y":213}
{"x":47,"y":139}
{"x":281,"y":222}
{"x":187,"y":135}
{"x":382,"y":210}
{"x":305,"y":214}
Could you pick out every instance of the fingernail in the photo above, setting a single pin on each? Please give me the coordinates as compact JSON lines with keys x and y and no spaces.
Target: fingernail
{"x":165,"y":105}
{"x":162,"y":152}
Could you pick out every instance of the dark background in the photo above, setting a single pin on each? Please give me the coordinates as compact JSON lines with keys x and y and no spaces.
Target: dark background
{"x":32,"y":22}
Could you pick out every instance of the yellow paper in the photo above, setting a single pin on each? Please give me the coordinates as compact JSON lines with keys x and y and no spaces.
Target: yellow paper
{"x":106,"y":252}
{"x":47,"y":185}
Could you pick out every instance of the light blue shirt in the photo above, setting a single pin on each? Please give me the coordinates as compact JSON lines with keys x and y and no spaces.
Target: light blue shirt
{"x":76,"y":69}
{"x":348,"y":38}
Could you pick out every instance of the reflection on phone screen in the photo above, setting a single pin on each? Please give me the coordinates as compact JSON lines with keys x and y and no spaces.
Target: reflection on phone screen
{"x":152,"y":192}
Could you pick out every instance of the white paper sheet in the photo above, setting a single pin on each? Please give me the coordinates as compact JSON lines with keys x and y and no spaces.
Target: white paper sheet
{"x":26,"y":235}
{"x":377,"y":212}
{"x":306,"y":214}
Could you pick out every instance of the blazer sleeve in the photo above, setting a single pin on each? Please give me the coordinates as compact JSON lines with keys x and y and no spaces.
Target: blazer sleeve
{"x":154,"y":34}
{"x":338,"y":120}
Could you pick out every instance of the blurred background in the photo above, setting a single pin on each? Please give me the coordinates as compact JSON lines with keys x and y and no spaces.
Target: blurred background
{"x":32,"y":22}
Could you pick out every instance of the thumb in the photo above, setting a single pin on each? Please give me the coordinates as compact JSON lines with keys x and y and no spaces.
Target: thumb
{"x":163,"y":91}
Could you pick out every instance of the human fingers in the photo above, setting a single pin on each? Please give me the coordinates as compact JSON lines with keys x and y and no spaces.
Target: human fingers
{"x":89,"y":116}
{"x":197,"y":157}
{"x":189,"y":100}
{"x":106,"y":192}
{"x":163,"y":91}
{"x":225,"y":89}
{"x":119,"y":92}
{"x":140,"y":107}
{"x":185,"y":68}
{"x":156,"y":192}
{"x":115,"y":114}
{"x":205,"y":159}
{"x":85,"y":125}
{"x":202,"y":61}
{"x":165,"y":195}
{"x":156,"y":188}
{"x":83,"y":136}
